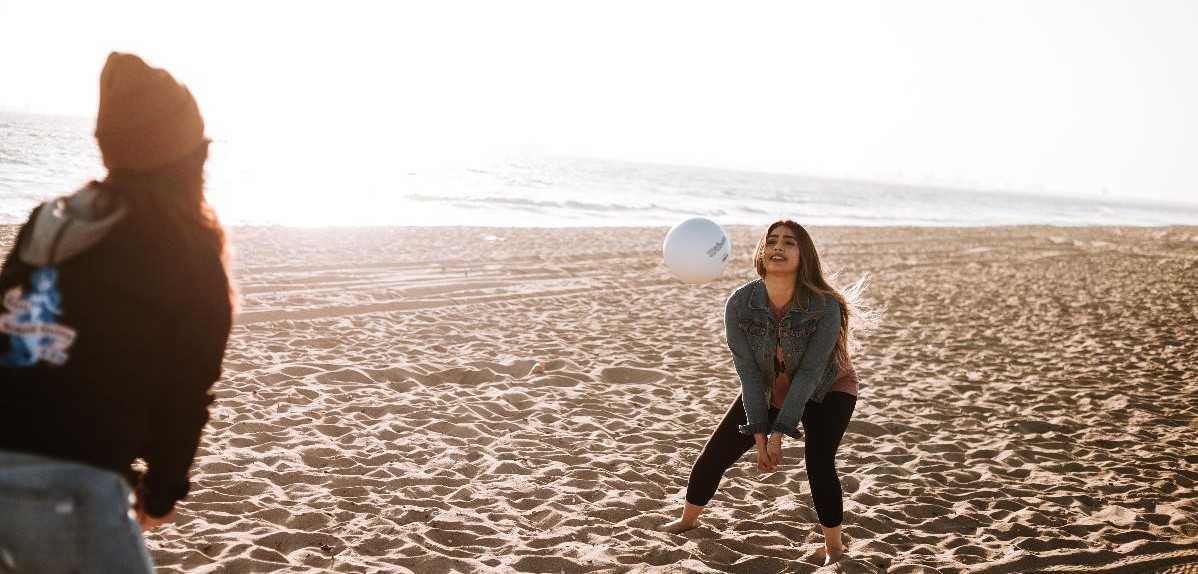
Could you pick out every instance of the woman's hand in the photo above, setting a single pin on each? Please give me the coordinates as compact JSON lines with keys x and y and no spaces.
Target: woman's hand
{"x":764,"y":460}
{"x":773,"y":450}
{"x":146,"y":521}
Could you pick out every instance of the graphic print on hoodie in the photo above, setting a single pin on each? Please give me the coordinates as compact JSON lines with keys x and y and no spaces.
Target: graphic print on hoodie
{"x":29,"y":320}
{"x":59,"y":230}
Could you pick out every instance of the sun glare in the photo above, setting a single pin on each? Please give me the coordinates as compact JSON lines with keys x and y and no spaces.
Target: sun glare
{"x":339,"y":101}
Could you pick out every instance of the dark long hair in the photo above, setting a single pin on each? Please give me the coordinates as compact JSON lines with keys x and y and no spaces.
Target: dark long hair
{"x":810,"y":280}
{"x":176,"y":192}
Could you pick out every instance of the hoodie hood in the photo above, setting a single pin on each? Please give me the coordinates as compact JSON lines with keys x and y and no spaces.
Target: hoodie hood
{"x":65,"y":227}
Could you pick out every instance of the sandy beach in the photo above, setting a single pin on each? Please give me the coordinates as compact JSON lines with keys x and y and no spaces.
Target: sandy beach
{"x":437,"y":400}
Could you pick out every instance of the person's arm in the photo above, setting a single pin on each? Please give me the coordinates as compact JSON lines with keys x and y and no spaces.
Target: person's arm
{"x":752,"y":384}
{"x":812,"y":366}
{"x":192,"y":363}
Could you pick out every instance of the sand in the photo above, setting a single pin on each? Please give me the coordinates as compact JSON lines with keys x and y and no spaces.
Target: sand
{"x":520,"y":400}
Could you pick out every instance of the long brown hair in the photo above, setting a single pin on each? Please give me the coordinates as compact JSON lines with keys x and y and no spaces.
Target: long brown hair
{"x":176,"y":192}
{"x":811,"y":280}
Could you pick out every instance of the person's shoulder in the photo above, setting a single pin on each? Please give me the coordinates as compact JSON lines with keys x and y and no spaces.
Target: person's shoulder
{"x":741,"y":295}
{"x":177,"y":250}
{"x":827,"y":305}
{"x":820,"y":304}
{"x":746,"y":290}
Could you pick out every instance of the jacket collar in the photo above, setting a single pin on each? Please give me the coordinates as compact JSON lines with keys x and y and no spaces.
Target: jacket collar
{"x":758,"y":299}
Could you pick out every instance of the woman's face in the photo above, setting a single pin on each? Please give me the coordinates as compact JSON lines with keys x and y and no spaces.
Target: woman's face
{"x":781,"y":254}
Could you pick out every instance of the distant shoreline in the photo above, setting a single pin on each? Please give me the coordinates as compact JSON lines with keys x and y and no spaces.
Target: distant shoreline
{"x":897,"y":183}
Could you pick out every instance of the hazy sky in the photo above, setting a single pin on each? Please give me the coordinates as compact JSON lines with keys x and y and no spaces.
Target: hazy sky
{"x":1074,"y":97}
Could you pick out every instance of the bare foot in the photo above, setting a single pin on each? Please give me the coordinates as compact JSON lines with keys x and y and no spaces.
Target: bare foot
{"x":678,"y":526}
{"x":833,"y":555}
{"x":826,"y":557}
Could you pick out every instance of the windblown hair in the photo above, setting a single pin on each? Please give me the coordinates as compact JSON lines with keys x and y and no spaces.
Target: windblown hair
{"x":176,"y":193}
{"x":855,"y":315}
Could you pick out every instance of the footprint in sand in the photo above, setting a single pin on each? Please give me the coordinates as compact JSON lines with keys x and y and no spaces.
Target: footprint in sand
{"x":631,"y":375}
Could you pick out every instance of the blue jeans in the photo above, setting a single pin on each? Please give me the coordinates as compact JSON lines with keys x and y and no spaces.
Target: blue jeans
{"x":58,"y":517}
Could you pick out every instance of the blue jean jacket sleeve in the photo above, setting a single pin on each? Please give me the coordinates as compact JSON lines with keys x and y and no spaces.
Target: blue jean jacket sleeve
{"x":752,"y":383}
{"x":812,"y":367}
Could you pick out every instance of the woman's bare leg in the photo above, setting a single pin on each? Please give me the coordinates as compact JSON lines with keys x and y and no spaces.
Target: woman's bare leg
{"x":833,"y":546}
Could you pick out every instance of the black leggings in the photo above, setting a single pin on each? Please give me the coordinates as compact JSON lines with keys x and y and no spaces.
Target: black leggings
{"x":823,"y":426}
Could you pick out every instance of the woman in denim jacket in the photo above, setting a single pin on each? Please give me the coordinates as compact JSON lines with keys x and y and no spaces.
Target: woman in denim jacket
{"x":789,"y":337}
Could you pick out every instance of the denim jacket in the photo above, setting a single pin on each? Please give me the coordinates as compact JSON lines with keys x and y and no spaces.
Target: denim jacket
{"x":807,"y":333}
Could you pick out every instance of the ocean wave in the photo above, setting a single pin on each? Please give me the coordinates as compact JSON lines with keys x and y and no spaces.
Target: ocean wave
{"x":44,"y":158}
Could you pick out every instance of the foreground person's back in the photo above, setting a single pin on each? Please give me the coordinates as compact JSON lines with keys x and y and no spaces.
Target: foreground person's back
{"x":116,"y":310}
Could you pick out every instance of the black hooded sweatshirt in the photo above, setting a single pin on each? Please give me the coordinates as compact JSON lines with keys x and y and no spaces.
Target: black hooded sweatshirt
{"x":114,"y":317}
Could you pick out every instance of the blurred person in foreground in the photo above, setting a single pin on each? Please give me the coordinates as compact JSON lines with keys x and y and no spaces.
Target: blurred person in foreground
{"x":116,"y":308}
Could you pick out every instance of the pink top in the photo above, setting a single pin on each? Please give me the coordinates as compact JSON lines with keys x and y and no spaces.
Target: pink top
{"x":846,"y":381}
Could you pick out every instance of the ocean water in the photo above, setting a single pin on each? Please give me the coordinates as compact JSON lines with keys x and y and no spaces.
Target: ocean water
{"x":265,"y":181}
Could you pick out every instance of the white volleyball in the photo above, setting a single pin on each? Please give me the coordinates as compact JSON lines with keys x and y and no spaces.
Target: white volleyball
{"x":696,"y":250}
